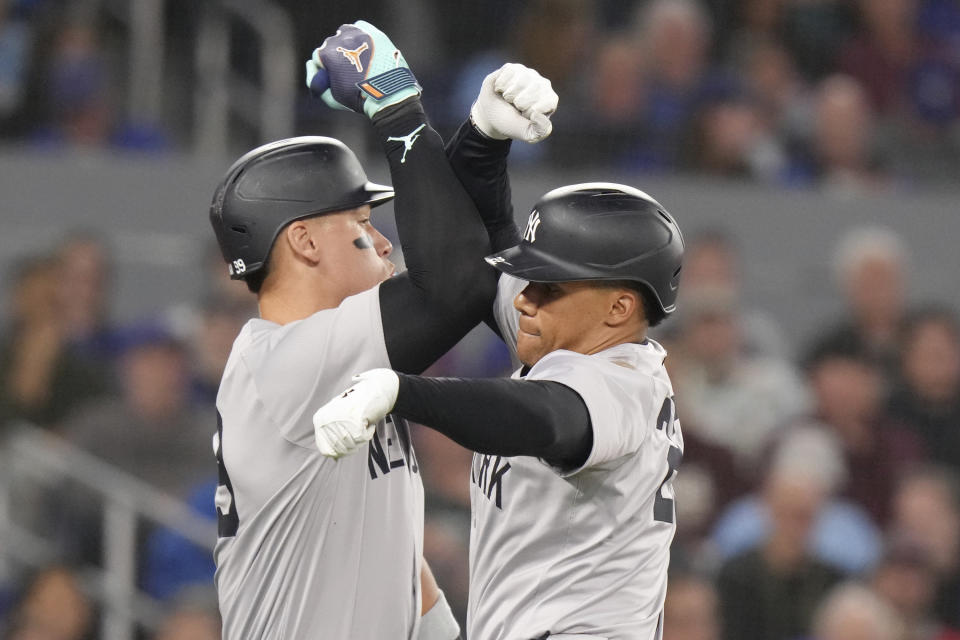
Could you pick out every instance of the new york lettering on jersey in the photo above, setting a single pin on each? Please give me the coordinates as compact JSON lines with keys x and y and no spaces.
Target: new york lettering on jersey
{"x":391,"y":451}
{"x":487,"y":473}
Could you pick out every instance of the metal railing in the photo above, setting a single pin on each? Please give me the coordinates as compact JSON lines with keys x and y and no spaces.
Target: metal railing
{"x":35,"y":461}
{"x":220,"y":92}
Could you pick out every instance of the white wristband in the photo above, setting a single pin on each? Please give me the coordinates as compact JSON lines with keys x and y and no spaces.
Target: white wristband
{"x":438,"y":623}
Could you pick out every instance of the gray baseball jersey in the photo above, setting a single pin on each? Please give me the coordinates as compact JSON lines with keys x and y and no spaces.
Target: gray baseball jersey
{"x":581,"y":552}
{"x":312,"y":547}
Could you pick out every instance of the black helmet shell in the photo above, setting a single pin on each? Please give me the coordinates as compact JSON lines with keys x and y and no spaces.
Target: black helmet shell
{"x":278,"y":183}
{"x":599,"y":231}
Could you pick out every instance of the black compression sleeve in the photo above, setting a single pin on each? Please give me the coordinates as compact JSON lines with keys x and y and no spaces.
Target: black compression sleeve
{"x":447,"y":288}
{"x":480,"y":163}
{"x":501,"y":416}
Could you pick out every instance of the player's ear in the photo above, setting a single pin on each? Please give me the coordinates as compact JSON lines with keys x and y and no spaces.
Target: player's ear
{"x":300,"y":238}
{"x":624,"y":307}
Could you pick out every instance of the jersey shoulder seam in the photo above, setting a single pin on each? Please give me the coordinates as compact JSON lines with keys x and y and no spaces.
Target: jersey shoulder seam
{"x":266,"y":411}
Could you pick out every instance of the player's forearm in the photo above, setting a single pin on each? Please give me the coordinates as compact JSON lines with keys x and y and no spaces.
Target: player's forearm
{"x":443,"y":238}
{"x":447,"y":287}
{"x":502,"y":417}
{"x":480,"y":163}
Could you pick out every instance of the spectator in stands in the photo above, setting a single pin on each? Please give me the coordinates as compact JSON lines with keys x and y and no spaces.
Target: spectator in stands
{"x":617,"y":89}
{"x":734,"y":141}
{"x":880,"y":55}
{"x":150,"y":432}
{"x":813,"y":31}
{"x":81,"y":93}
{"x":193,"y":616}
{"x":842,"y":536}
{"x":78,"y":87}
{"x":848,"y":406}
{"x":675,"y":39}
{"x":53,"y":607}
{"x":853,"y":612}
{"x":612,"y":122}
{"x":712,"y":260}
{"x":16,"y":42}
{"x":711,"y":480}
{"x":210,"y":344}
{"x":41,"y":379}
{"x":907,"y":580}
{"x":842,"y":156}
{"x":926,"y":512}
{"x":755,"y":19}
{"x":782,"y":99}
{"x":690,"y":611}
{"x":727,"y":397}
{"x":172,"y":564}
{"x":927,"y":397}
{"x":84,"y":274}
{"x":771,"y":591}
{"x":870,"y":265}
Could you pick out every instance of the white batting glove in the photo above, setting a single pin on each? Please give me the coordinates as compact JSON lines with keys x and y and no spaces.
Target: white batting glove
{"x":348,"y":421}
{"x":515,"y":102}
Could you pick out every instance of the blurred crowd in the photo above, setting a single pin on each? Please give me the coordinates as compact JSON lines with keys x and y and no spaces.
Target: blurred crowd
{"x":819,"y":495}
{"x":818,"y":498}
{"x":846,"y":95}
{"x":139,"y":397}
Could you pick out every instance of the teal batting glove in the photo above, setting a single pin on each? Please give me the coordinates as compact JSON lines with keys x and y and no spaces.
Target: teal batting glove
{"x":360,"y":69}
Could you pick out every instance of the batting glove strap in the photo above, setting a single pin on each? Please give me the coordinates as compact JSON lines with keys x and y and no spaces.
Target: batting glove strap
{"x":439,"y":623}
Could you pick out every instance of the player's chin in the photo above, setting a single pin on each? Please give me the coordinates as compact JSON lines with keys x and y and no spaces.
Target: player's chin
{"x":529,"y":349}
{"x":388,"y":272}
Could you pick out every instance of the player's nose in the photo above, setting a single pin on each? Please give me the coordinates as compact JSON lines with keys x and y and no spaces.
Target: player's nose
{"x":525,"y":303}
{"x":382,"y":245}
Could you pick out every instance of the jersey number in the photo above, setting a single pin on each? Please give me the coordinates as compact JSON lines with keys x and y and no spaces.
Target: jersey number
{"x":228,"y":521}
{"x":663,"y":507}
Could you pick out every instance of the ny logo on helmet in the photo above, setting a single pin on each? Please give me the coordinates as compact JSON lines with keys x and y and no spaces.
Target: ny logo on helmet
{"x":530,"y":233}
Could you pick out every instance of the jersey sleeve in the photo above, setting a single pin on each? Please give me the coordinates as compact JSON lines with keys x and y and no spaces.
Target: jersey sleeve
{"x":505,"y":314}
{"x":619,"y":401}
{"x":298,"y":367}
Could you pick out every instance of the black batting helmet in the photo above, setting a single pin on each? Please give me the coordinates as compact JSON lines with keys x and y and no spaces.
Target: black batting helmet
{"x":278,"y":183}
{"x":599,"y":231}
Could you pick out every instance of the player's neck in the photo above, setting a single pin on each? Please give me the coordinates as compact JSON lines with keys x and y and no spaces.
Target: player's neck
{"x":288,"y":302}
{"x":609,"y":339}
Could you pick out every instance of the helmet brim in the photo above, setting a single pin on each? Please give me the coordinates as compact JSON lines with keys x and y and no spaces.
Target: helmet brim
{"x":378,"y":194}
{"x":524,"y":261}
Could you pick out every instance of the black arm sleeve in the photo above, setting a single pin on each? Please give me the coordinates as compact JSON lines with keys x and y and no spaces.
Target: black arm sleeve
{"x":447,"y":287}
{"x":502,"y":417}
{"x":480,"y":163}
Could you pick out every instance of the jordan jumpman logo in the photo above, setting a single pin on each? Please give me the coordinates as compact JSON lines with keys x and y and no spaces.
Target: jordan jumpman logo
{"x":407,"y":141}
{"x":353,"y":55}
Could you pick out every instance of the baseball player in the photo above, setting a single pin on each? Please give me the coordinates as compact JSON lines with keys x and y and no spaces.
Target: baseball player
{"x":309,"y":547}
{"x":571,"y":482}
